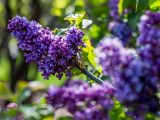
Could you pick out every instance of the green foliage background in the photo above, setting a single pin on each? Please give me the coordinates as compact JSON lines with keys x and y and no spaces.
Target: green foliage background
{"x":20,"y":82}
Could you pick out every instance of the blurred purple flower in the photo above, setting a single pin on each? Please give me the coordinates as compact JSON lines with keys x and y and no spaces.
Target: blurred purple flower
{"x":136,"y":86}
{"x":113,"y":5}
{"x":149,"y":41}
{"x":111,"y":55}
{"x":120,"y":30}
{"x":83,"y":101}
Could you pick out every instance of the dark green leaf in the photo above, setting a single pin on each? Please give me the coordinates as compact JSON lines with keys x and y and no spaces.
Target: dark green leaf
{"x":25,"y":93}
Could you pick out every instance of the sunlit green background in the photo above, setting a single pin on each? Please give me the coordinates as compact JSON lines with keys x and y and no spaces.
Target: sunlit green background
{"x":16,"y":76}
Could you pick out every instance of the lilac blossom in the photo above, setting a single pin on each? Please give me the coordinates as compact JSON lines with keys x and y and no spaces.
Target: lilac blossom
{"x":54,"y":54}
{"x":149,"y":41}
{"x":111,"y":55}
{"x":33,"y":40}
{"x":113,"y":5}
{"x":121,"y":30}
{"x":136,"y":86}
{"x":80,"y":99}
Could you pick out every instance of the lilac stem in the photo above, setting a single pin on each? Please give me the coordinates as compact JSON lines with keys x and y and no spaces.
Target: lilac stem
{"x":96,"y":79}
{"x":90,"y":75}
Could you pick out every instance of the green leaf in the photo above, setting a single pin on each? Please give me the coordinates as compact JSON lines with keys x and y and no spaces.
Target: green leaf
{"x":150,"y":117}
{"x":4,"y":68}
{"x":137,"y":2}
{"x":30,"y":113}
{"x":139,"y":6}
{"x":55,"y":31}
{"x":75,"y":71}
{"x":43,"y":109}
{"x":25,"y":93}
{"x":5,"y":92}
{"x":120,"y":6}
{"x":89,"y":55}
{"x":65,"y":118}
{"x":117,"y":113}
{"x":86,"y":23}
{"x":154,"y":4}
{"x":11,"y":112}
{"x":40,"y":111}
{"x":75,"y":18}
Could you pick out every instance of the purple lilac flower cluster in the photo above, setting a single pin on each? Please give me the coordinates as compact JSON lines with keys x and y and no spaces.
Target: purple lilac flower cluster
{"x":149,"y":42}
{"x":117,"y":27}
{"x":53,"y":54}
{"x":33,"y":40}
{"x":113,"y":5}
{"x":74,"y":39}
{"x":120,"y":30}
{"x":135,"y":86}
{"x":83,"y":101}
{"x":62,"y":54}
{"x":112,"y":55}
